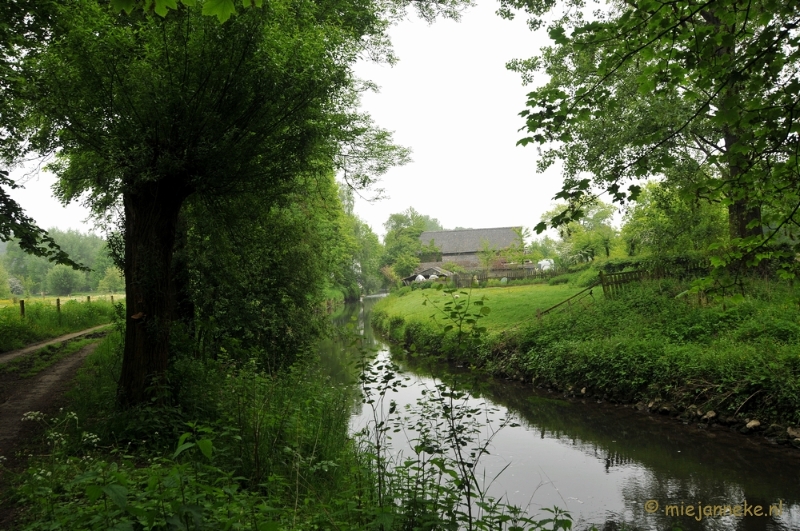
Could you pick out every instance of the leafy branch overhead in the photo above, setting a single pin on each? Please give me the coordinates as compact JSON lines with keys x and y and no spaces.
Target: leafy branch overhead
{"x":30,"y":237}
{"x":703,"y":95}
{"x":224,"y":9}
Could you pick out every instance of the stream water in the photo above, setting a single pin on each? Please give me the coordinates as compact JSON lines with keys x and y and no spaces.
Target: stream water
{"x":605,"y":464}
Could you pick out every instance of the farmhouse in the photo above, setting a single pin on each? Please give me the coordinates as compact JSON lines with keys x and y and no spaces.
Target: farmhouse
{"x":462,"y":246}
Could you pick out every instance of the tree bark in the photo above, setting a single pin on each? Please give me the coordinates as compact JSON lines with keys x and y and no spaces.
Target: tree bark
{"x":151,"y":215}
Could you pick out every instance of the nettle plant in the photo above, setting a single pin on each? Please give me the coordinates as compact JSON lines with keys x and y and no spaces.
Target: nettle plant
{"x":439,"y":484}
{"x":462,"y":314}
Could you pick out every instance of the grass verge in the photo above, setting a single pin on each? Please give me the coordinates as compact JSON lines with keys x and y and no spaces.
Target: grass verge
{"x":35,"y":362}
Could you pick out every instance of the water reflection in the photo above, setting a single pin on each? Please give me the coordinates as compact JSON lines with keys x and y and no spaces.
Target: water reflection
{"x":602,"y":463}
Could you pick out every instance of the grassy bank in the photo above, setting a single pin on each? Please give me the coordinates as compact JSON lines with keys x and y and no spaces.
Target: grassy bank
{"x":510,"y":306}
{"x":728,"y":361}
{"x":232,"y":447}
{"x":43,"y":321}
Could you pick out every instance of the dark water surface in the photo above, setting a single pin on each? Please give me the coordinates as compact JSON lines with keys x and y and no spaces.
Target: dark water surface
{"x":603,"y":463}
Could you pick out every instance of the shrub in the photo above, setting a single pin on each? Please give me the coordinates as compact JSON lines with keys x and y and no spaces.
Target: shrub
{"x":63,"y":280}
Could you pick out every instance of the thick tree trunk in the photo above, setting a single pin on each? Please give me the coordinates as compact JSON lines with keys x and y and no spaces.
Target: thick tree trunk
{"x":740,"y":214}
{"x":741,"y":211}
{"x":151,"y":215}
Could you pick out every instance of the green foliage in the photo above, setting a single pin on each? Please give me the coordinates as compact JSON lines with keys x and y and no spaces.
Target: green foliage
{"x":715,"y":120}
{"x":63,"y":280}
{"x":223,"y":10}
{"x":403,"y":248}
{"x":112,"y":281}
{"x":5,"y":285}
{"x":586,"y":235}
{"x":663,"y":222}
{"x":487,"y":255}
{"x":255,"y":283}
{"x":41,"y":321}
{"x":14,"y":223}
{"x":88,"y":249}
{"x":405,"y":264}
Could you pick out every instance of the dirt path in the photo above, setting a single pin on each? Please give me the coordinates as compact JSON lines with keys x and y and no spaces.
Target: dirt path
{"x":43,"y":392}
{"x":5,"y":357}
{"x":37,"y":394}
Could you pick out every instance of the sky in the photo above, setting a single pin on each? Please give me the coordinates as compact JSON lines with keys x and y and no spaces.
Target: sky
{"x":452,"y":101}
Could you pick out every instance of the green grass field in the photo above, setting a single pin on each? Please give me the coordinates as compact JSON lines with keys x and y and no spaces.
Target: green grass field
{"x":510,"y":306}
{"x":42,"y":321}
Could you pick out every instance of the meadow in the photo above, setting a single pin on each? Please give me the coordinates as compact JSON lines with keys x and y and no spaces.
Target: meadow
{"x":510,"y":305}
{"x":43,"y":321}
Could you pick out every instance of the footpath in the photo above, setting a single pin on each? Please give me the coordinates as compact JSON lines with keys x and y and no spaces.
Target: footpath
{"x":18,"y":395}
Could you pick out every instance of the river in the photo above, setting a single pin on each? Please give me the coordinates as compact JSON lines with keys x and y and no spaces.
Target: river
{"x":606,"y":464}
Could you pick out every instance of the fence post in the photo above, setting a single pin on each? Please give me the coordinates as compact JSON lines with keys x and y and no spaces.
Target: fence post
{"x":112,"y":300}
{"x":603,"y":283}
{"x":22,"y":307}
{"x":88,"y":298}
{"x":58,"y":305}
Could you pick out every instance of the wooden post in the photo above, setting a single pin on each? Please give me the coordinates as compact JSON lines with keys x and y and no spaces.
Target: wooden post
{"x":603,"y":283}
{"x":112,"y":300}
{"x":539,"y":313}
{"x":58,"y":305}
{"x":88,"y":298}
{"x":22,"y":307}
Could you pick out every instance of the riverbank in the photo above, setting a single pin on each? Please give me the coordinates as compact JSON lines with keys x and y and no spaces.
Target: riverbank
{"x":734,"y":363}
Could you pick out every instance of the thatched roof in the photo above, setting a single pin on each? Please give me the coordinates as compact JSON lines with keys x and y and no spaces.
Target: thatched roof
{"x":469,"y":240}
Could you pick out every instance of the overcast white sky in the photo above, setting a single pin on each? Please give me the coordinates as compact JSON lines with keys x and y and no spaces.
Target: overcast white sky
{"x":451,"y":100}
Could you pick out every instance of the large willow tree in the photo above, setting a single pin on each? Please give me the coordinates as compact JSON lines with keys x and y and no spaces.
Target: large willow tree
{"x":148,"y":112}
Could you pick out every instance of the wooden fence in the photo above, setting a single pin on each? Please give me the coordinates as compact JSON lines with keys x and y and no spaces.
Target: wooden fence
{"x":580,"y":300}
{"x":465,"y":280}
{"x":614,"y":283}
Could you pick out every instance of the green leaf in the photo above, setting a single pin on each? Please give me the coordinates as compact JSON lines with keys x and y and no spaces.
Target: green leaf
{"x":222,"y":9}
{"x":122,"y":5}
{"x":205,"y":447}
{"x":183,"y":438}
{"x":118,"y":494}
{"x":162,"y":7}
{"x":93,"y":492}
{"x":181,"y":449}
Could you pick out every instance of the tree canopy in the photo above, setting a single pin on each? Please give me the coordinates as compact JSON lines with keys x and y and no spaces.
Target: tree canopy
{"x":150,"y":116}
{"x":702,"y":93}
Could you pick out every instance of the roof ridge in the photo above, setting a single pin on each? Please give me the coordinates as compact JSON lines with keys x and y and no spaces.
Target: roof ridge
{"x":464,"y":230}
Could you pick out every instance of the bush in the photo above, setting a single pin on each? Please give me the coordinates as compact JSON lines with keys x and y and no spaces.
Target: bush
{"x":561,"y":279}
{"x":63,"y":280}
{"x":587,"y":278}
